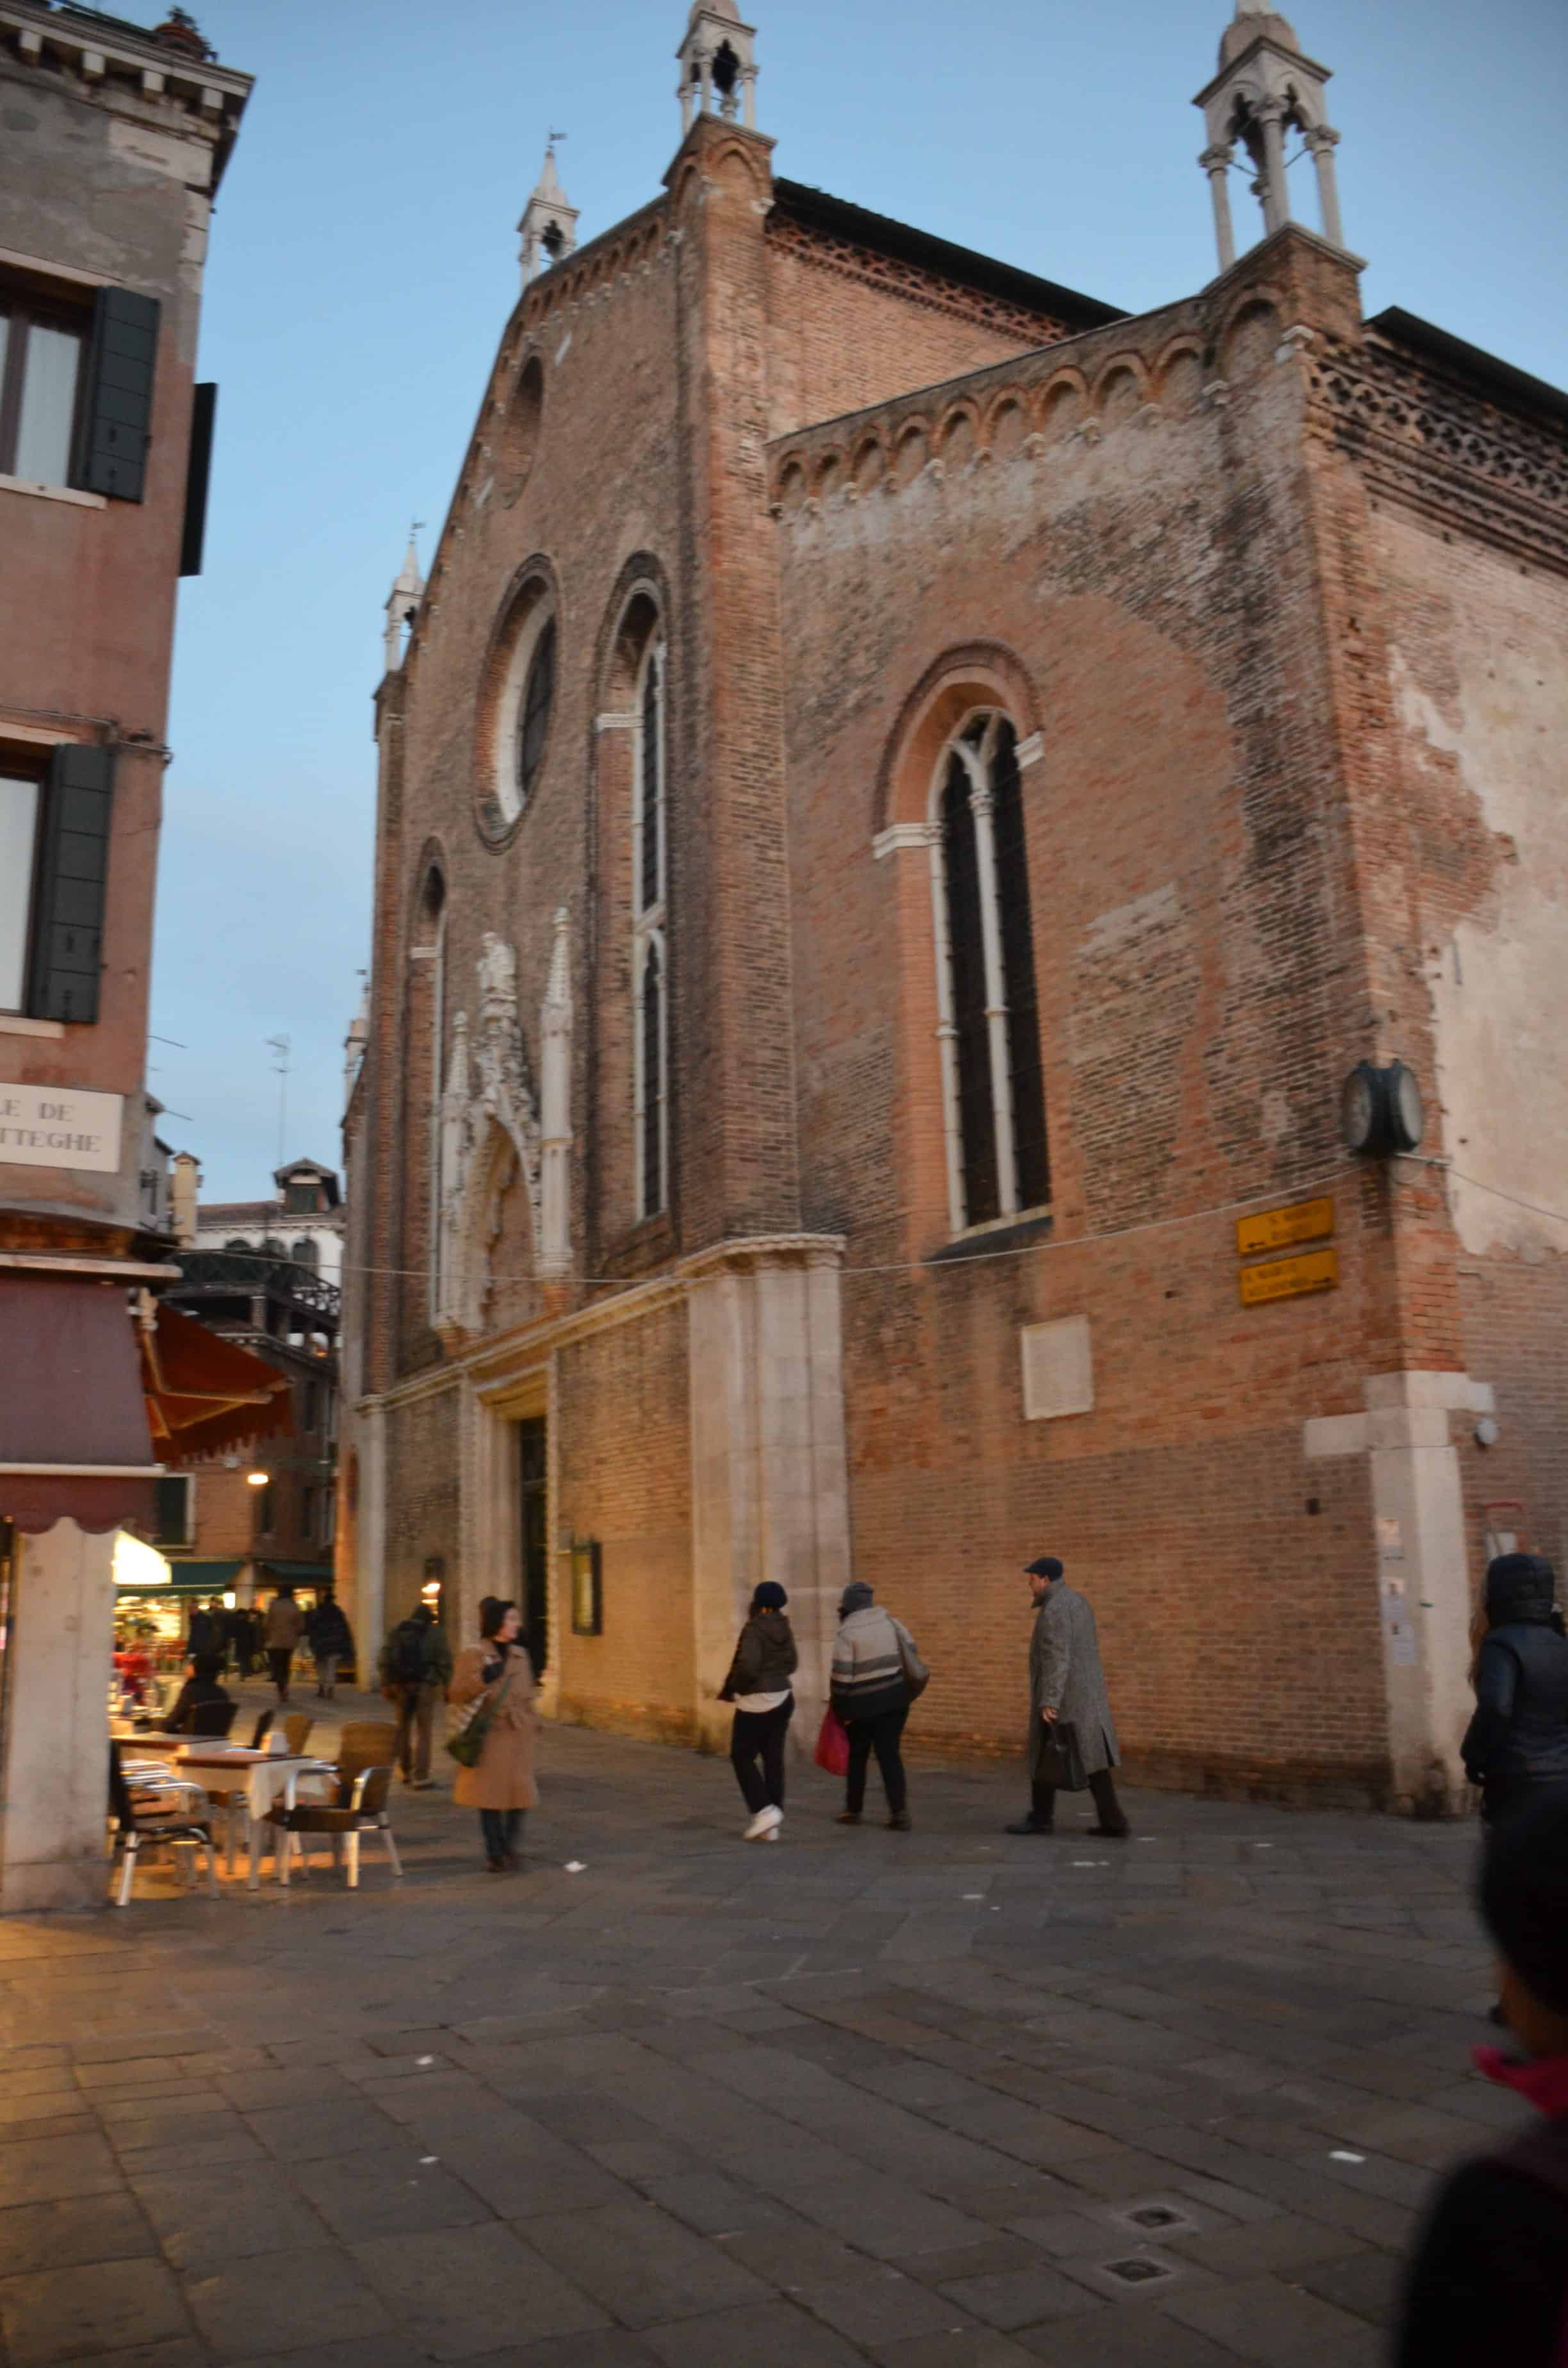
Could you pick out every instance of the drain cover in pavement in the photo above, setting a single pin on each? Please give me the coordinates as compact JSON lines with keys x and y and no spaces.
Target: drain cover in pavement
{"x":1158,"y":2217}
{"x":1137,"y":2272}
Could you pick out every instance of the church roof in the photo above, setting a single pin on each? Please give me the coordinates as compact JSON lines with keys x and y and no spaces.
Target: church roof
{"x":837,"y":218}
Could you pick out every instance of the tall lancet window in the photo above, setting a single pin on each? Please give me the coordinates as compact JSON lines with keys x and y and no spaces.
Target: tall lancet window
{"x":649,"y":958}
{"x":994,"y":1088}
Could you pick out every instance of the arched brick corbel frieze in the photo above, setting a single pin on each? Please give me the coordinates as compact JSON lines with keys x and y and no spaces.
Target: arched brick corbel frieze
{"x":975,"y":673}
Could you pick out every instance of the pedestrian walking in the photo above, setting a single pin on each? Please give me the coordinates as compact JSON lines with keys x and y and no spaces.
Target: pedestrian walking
{"x":285,"y":1626}
{"x":1489,"y":2278}
{"x":206,"y":1631}
{"x":331,"y":1641}
{"x":496,"y":1676}
{"x":1067,"y":1691}
{"x":758,"y":1685}
{"x":1516,"y":1744}
{"x":415,"y":1670}
{"x":876,"y":1675}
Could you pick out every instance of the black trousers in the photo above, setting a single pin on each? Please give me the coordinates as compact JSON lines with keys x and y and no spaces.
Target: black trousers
{"x":1113,"y":1817}
{"x":758,"y":1735}
{"x":503,"y":1831}
{"x":280,"y":1659}
{"x":881,"y":1736}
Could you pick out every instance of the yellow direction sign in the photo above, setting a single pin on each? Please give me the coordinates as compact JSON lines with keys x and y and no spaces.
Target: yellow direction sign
{"x":1276,"y":1229}
{"x":1291,"y":1278}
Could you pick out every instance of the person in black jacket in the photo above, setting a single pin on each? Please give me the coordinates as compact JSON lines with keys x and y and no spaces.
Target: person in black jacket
{"x":202,"y":1685}
{"x":1489,"y":2279}
{"x":1517,"y":1741}
{"x":331,"y":1641}
{"x":758,"y":1685}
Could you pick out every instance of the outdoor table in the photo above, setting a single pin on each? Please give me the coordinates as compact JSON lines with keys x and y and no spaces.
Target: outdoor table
{"x":259,"y":1778}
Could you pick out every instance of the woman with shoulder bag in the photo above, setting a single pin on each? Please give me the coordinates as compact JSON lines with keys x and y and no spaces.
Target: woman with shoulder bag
{"x":758,"y":1685}
{"x":877,"y":1673}
{"x":493,"y":1747}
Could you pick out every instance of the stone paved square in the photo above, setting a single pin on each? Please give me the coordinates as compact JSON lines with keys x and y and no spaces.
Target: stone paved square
{"x":907,"y":2098}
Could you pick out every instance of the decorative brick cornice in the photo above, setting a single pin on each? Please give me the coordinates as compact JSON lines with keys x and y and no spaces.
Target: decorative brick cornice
{"x":1422,"y":437}
{"x":842,"y":257}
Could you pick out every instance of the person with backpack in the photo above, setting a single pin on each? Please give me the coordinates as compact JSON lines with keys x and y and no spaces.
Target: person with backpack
{"x":1489,"y":2277}
{"x":416,"y":1669}
{"x":758,"y":1685}
{"x":877,"y":1673}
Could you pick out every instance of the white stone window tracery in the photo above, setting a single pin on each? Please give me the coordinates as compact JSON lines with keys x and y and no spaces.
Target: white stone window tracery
{"x":525,"y":706}
{"x":988,"y":1018}
{"x":650,"y":961}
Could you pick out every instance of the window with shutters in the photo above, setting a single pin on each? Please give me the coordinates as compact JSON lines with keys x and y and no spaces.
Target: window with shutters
{"x":77,"y":383}
{"x":994,"y":1091}
{"x":54,"y":836}
{"x":174,"y":1509}
{"x":649,"y":985}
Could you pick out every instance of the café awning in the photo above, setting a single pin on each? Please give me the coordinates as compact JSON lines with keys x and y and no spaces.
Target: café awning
{"x":206,"y":1393}
{"x":74,"y":1443}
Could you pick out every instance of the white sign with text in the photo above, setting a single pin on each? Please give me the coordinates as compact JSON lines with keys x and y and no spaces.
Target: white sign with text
{"x":56,"y":1126}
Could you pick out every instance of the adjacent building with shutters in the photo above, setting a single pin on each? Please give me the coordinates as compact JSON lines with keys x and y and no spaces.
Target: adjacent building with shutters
{"x":905,"y":797}
{"x":114,"y":137}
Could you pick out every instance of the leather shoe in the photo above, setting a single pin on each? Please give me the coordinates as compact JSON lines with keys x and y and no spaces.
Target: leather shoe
{"x":1028,"y":1826}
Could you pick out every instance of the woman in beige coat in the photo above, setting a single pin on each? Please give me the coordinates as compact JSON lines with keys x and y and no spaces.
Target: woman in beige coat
{"x":497,"y":1672}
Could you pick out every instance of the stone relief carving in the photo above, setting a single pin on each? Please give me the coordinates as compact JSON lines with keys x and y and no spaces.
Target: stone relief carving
{"x":490,"y":1132}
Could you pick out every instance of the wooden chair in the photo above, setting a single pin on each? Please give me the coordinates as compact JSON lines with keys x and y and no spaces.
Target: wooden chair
{"x":363,"y":1812}
{"x":365,"y":1743}
{"x":156,"y":1811}
{"x":297,"y":1728}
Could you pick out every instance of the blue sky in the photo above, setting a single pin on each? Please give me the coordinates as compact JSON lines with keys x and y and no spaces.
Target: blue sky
{"x":363,"y":264}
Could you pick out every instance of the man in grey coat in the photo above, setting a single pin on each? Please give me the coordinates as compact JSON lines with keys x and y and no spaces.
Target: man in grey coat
{"x":1067,"y":1687}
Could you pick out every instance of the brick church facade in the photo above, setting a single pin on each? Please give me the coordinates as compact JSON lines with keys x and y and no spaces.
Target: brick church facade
{"x":903,"y":800}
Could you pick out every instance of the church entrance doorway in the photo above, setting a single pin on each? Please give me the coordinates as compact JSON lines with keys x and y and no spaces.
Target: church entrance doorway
{"x":534,"y":1541}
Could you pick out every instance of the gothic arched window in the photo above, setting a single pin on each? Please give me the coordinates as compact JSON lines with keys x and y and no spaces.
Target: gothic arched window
{"x":533,"y":711}
{"x":651,"y":1018}
{"x":992,"y":1082}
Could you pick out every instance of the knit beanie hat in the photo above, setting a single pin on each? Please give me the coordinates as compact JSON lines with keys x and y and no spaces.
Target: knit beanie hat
{"x":768,"y":1597}
{"x":855,"y":1598}
{"x":1523,"y":1894}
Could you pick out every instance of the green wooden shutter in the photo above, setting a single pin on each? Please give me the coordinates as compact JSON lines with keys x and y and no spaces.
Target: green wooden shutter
{"x":172,"y":1498}
{"x":73,"y":875}
{"x":117,"y":406}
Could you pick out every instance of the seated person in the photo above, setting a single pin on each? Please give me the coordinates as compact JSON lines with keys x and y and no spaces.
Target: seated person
{"x":201,"y":1686}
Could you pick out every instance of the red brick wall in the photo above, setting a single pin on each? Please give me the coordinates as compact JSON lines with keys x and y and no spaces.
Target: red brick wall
{"x":423,"y":1498}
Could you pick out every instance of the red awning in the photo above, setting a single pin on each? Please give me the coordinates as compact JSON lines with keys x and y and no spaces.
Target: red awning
{"x":74,"y":1443}
{"x":206,"y":1393}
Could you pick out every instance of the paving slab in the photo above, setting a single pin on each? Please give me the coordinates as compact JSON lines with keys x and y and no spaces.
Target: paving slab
{"x":896,"y":2099}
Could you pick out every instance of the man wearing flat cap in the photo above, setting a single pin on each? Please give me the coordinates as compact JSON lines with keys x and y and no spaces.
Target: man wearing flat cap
{"x":1067,"y":1690}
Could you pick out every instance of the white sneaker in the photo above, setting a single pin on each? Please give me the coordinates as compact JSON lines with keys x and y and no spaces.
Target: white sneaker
{"x":772,"y":1833}
{"x":763,"y":1824}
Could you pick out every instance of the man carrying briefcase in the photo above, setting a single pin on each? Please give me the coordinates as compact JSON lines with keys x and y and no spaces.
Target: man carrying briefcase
{"x":1071,"y":1734}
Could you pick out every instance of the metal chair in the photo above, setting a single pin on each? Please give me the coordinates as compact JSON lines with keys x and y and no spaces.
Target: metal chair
{"x":363,"y":1812}
{"x":157,"y":1811}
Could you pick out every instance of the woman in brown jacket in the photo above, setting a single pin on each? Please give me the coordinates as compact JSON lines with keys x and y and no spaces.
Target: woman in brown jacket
{"x":498,"y":1672}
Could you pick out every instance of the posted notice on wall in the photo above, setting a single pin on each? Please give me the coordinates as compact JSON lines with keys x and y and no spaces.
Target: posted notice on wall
{"x":55,"y":1126}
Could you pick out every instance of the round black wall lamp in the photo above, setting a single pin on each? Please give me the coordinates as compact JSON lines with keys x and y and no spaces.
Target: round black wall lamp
{"x":1380,"y":1110}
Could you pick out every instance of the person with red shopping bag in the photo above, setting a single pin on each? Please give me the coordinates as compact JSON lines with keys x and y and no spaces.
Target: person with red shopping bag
{"x":877,"y":1673}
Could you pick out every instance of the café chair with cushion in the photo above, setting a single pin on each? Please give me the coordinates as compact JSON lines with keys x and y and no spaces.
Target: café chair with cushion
{"x":297,"y":1732}
{"x":156,"y":1811}
{"x":360,"y":1808}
